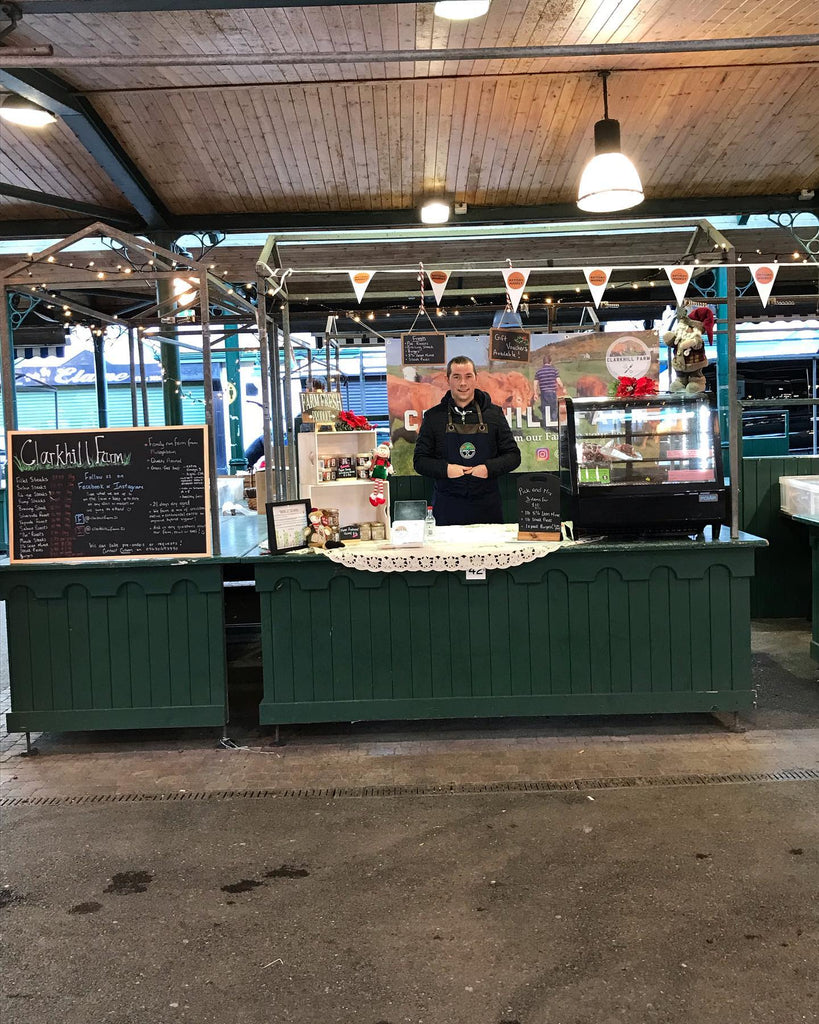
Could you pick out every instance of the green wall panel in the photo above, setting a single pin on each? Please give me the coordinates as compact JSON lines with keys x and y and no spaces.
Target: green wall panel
{"x":782,"y":585}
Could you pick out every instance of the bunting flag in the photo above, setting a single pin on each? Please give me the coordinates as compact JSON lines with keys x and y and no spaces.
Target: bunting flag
{"x":439,"y":280}
{"x":679,"y":278}
{"x":597,"y":278}
{"x":360,"y":280}
{"x":764,"y":275}
{"x":515,"y":283}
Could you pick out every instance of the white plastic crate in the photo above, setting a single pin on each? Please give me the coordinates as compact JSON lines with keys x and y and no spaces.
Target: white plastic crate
{"x":799,"y":495}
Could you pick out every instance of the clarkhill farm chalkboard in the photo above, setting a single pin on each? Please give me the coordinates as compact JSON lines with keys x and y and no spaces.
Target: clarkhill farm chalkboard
{"x":138,"y":492}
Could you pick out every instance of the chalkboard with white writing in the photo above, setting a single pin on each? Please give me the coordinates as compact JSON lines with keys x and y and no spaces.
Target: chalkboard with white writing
{"x":538,"y":506}
{"x":419,"y":349}
{"x":138,"y":492}
{"x":509,"y":344}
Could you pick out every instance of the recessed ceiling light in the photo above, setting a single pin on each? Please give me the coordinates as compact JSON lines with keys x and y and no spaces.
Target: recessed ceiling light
{"x":461,"y":10}
{"x":435,"y":212}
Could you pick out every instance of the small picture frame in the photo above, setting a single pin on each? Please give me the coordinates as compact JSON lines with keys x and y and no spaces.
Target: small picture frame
{"x":287,"y":523}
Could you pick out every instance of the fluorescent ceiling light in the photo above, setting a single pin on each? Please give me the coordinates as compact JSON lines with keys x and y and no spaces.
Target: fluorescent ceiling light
{"x":610,"y":180}
{"x":461,"y":10}
{"x":435,"y":212}
{"x":21,"y":111}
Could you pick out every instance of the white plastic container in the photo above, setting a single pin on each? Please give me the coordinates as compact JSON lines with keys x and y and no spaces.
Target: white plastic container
{"x":799,"y":495}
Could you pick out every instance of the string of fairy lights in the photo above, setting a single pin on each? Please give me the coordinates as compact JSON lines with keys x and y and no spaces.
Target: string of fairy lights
{"x":128,"y":265}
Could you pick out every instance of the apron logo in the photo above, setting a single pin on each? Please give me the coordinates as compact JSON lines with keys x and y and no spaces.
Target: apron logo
{"x":467,"y":450}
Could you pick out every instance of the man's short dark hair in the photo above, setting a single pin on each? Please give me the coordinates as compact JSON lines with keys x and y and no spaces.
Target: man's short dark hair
{"x":460,"y":361}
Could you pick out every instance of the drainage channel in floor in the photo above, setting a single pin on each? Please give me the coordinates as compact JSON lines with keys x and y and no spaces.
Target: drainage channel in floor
{"x":455,"y":789}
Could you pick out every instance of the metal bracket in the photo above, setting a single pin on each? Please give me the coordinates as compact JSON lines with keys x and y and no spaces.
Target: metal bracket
{"x":13,"y":12}
{"x":790,"y":222}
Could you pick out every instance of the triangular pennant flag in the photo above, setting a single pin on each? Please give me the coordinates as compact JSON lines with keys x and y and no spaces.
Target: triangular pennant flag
{"x":515,"y":283}
{"x":438,"y":279}
{"x":764,"y":275}
{"x":360,"y":279}
{"x":679,"y":277}
{"x":597,"y":279}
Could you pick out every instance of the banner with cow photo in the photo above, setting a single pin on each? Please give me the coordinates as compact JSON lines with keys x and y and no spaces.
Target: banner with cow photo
{"x":579,"y":365}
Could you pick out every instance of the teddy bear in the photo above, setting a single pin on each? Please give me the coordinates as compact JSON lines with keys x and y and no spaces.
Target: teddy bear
{"x":319,"y":533}
{"x":688,"y":357}
{"x":380,"y":467}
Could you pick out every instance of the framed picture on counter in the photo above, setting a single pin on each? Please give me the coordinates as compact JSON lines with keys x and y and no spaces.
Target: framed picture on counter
{"x":287,"y":523}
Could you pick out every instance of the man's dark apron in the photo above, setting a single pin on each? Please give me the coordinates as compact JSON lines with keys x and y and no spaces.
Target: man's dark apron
{"x":467,"y":499}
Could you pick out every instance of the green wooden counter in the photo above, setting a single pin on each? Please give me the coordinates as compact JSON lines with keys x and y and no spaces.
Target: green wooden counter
{"x":812,"y":523}
{"x":599,"y":628}
{"x":120,"y":645}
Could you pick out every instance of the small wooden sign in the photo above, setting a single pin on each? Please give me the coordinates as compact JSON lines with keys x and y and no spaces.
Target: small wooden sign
{"x":423,"y":349}
{"x":509,"y":344}
{"x":538,"y":506}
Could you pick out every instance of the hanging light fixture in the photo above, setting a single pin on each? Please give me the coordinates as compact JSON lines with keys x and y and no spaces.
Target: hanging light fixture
{"x":435,"y":212}
{"x":610,"y":180}
{"x":461,"y":10}
{"x":18,"y":110}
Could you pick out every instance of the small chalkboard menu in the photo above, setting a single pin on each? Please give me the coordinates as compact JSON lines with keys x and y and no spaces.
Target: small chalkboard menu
{"x":538,"y":506}
{"x":509,"y":344}
{"x":138,"y":492}
{"x":419,"y":349}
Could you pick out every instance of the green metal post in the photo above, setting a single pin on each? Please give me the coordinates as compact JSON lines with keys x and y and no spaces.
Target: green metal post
{"x":7,"y":363}
{"x":169,"y":358}
{"x":101,"y":379}
{"x":723,"y":362}
{"x":233,"y":360}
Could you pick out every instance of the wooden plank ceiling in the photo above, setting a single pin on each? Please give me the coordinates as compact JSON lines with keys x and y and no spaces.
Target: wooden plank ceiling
{"x":271,"y":138}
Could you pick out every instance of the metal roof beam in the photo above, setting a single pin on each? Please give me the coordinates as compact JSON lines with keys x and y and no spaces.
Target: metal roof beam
{"x":382,"y":220}
{"x":28,"y":195}
{"x":54,"y":95}
{"x":33,"y":7}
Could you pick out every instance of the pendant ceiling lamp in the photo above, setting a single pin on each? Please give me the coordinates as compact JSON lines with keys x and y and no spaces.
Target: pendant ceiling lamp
{"x":610,"y":180}
{"x":21,"y":111}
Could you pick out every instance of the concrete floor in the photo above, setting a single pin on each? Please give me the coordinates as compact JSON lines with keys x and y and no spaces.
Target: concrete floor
{"x":600,"y":902}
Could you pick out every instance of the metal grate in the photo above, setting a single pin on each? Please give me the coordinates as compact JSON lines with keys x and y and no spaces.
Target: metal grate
{"x":453,"y":789}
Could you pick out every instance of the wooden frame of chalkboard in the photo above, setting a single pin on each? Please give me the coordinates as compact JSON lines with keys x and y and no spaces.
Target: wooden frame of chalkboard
{"x":423,"y":348}
{"x":293,"y":520}
{"x":509,"y":344}
{"x":108,"y":494}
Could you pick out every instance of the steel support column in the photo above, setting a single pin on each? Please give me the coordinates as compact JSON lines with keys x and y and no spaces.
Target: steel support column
{"x":207,"y":375}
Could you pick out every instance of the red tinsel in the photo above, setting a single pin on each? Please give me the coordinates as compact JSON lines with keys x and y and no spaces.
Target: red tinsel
{"x":352,"y":421}
{"x":635,"y":387}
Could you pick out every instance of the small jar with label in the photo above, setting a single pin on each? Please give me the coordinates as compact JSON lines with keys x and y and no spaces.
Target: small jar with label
{"x":379,"y":531}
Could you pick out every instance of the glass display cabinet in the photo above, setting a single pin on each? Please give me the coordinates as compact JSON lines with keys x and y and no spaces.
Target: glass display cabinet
{"x":642,"y":466}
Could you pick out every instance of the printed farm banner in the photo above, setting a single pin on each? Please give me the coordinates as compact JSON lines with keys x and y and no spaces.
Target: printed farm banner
{"x":578,"y":365}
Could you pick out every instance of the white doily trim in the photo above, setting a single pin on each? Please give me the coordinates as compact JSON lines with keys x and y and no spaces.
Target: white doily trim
{"x":380,"y":557}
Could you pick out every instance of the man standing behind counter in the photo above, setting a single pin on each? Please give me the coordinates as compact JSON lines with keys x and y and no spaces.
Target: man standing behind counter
{"x":465,"y":444}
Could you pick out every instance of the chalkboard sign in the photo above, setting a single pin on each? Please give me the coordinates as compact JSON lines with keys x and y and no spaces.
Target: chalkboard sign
{"x":139,"y":492}
{"x":509,"y":344}
{"x":538,"y":506}
{"x":423,"y":349}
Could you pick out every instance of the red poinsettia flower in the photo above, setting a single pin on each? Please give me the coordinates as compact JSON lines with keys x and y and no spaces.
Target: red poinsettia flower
{"x":635,"y":387}
{"x":351,"y":421}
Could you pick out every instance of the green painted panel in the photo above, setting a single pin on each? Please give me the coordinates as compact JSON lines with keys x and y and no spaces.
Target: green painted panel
{"x":787,"y":556}
{"x":149,"y":652}
{"x":576,"y":632}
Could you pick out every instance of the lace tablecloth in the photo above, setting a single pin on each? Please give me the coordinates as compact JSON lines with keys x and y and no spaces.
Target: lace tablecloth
{"x":455,"y":549}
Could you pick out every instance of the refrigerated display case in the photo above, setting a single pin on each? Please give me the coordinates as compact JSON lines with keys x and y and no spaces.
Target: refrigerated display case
{"x":642,"y":466}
